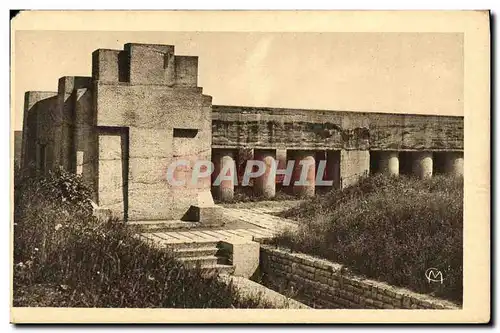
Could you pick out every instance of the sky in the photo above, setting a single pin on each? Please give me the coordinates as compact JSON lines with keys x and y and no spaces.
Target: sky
{"x":419,"y":73}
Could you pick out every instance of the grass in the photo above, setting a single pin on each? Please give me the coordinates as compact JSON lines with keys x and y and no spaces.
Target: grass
{"x":64,"y":257}
{"x":388,"y":228}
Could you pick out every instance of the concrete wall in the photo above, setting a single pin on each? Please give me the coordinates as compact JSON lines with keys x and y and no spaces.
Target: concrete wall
{"x":354,"y":164}
{"x":150,"y":63}
{"x":186,"y":71}
{"x":112,"y":171}
{"x":40,"y":113}
{"x":58,"y":127}
{"x":324,"y":284}
{"x":110,"y":65}
{"x":17,"y":147}
{"x":258,"y":127}
{"x":85,"y":138}
{"x":64,"y":121}
{"x":117,"y":129}
{"x":151,"y":113}
{"x":160,"y":100}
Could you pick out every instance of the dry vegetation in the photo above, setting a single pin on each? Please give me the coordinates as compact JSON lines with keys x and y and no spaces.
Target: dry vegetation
{"x":64,"y":257}
{"x":388,"y":228}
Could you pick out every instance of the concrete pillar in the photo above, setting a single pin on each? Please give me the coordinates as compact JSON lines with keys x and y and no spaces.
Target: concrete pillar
{"x":224,"y":160}
{"x":422,"y":164}
{"x":454,"y":163}
{"x":354,"y":165}
{"x":333,"y":167}
{"x":265,"y":185}
{"x":281,"y":164}
{"x":308,"y":189}
{"x":389,"y":162}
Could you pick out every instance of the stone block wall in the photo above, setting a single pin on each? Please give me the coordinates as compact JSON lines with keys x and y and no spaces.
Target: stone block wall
{"x":324,"y":284}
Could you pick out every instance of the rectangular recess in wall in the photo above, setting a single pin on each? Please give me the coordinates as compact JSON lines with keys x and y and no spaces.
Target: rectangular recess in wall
{"x":113,"y":168}
{"x":185,"y":132}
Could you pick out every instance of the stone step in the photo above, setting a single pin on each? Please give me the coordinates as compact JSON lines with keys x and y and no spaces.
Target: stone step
{"x":191,"y":245}
{"x":165,"y":226}
{"x":195,"y":252}
{"x":202,"y":262}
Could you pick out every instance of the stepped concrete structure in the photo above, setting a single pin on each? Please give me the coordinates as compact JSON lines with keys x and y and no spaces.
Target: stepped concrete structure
{"x":142,"y":110}
{"x":233,"y":249}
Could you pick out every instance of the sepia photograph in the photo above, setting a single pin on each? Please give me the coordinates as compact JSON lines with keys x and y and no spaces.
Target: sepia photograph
{"x":203,"y":165}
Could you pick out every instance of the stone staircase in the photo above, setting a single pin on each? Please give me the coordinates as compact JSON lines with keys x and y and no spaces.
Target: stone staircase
{"x":214,"y":248}
{"x":206,"y":255}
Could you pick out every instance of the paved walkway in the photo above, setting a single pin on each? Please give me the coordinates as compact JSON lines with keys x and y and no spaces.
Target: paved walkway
{"x":260,"y":218}
{"x":259,"y":226}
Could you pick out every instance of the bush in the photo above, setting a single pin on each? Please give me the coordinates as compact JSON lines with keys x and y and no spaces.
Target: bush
{"x":65,"y":189}
{"x":390,"y":229}
{"x":46,"y":202}
{"x":64,"y":257}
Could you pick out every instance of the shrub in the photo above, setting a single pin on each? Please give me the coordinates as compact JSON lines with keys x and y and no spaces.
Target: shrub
{"x":390,"y":229}
{"x":43,"y":203}
{"x":65,"y":189}
{"x":64,"y":257}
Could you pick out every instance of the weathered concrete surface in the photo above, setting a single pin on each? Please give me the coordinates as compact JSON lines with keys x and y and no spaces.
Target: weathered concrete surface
{"x":18,"y":141}
{"x":50,"y":132}
{"x":454,"y":163}
{"x":266,"y":296}
{"x":422,"y":164}
{"x":110,"y":66}
{"x":64,"y":121}
{"x":207,"y":214}
{"x":389,"y":162}
{"x":186,"y":71}
{"x":167,"y":121}
{"x":265,"y":185}
{"x":354,"y":164}
{"x":111,"y":172}
{"x":260,"y":218}
{"x":304,"y":173}
{"x":40,"y":110}
{"x":332,"y":172}
{"x":281,"y":164}
{"x":270,"y":128}
{"x":121,"y":128}
{"x":243,"y":255}
{"x":85,"y":139}
{"x":224,"y":176}
{"x":151,"y":113}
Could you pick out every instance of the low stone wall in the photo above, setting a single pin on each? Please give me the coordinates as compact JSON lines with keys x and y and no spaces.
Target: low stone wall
{"x":324,"y":284}
{"x":261,"y":294}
